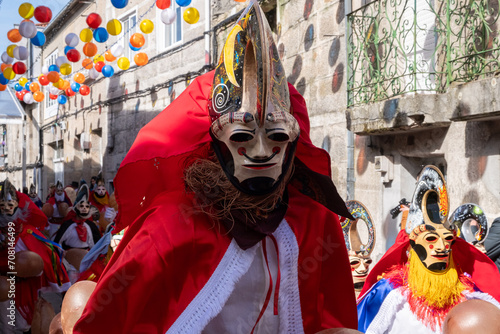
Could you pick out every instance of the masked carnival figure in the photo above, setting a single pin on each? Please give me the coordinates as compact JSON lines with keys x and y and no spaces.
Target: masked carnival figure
{"x":428,"y":271}
{"x":34,"y":196}
{"x":26,"y":257}
{"x":56,"y":208}
{"x":233,"y":226}
{"x":471,"y":224}
{"x":100,"y":199}
{"x":359,"y":253}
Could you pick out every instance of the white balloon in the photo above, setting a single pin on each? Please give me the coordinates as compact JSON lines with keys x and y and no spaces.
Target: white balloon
{"x":72,"y":39}
{"x":6,"y":58}
{"x":53,"y":90}
{"x":27,"y":29}
{"x":61,"y":60}
{"x":28,"y":98}
{"x":168,"y":16}
{"x":21,"y":53}
{"x":116,"y":50}
{"x":93,"y":74}
{"x":45,"y":69}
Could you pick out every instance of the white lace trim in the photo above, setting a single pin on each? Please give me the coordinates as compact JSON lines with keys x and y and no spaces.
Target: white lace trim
{"x":384,"y":319}
{"x":212,"y":297}
{"x":289,"y":298}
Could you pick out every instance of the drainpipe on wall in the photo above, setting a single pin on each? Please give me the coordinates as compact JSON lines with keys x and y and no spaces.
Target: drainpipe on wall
{"x":350,"y":135}
{"x":208,"y":27}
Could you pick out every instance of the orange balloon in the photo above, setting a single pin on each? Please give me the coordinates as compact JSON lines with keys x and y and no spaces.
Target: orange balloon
{"x":87,"y":63}
{"x":90,"y":49}
{"x":38,"y":96}
{"x":34,"y":87}
{"x":4,"y":66}
{"x":141,"y":59}
{"x":14,"y":36}
{"x":74,"y":302}
{"x":109,"y":56}
{"x":53,"y":76}
{"x":79,"y":77}
{"x":137,"y":40}
{"x":3,"y":87}
{"x":59,"y":83}
{"x":65,"y":85}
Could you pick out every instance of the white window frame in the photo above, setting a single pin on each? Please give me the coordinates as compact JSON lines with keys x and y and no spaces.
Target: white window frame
{"x":125,"y":20}
{"x":50,"y":105}
{"x":164,"y":29}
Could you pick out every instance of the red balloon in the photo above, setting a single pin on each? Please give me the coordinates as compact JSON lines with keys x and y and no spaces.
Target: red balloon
{"x":69,"y":92}
{"x":94,"y":20}
{"x":19,"y":67}
{"x":43,"y":80}
{"x":73,"y":55}
{"x":43,"y":14}
{"x":84,"y":90}
{"x":20,"y":95}
{"x":99,"y":65}
{"x":51,"y":96}
{"x":162,"y":4}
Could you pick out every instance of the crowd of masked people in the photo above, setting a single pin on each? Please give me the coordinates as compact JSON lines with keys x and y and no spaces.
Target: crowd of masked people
{"x":45,"y":247}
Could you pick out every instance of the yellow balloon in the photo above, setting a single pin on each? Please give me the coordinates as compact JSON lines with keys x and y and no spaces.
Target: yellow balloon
{"x":98,"y":58}
{"x":86,"y":35}
{"x":23,"y":81}
{"x":123,"y":63}
{"x":58,"y":83}
{"x":9,"y":73}
{"x":147,"y":26}
{"x":65,"y":69}
{"x":10,"y":50}
{"x":191,"y":15}
{"x":114,"y":27}
{"x":26,"y":10}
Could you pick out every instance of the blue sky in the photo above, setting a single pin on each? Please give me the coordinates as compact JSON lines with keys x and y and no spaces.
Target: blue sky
{"x":9,"y":16}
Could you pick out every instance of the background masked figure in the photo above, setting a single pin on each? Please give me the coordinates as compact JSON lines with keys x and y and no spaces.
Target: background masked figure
{"x":471,"y":224}
{"x":100,"y":199}
{"x":359,"y":252}
{"x":418,"y":291}
{"x":56,"y":208}
{"x":232,"y":225}
{"x":34,"y":196}
{"x":37,"y":259}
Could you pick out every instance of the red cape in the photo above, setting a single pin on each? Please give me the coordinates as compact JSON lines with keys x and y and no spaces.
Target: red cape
{"x":467,"y":258}
{"x":169,"y":252}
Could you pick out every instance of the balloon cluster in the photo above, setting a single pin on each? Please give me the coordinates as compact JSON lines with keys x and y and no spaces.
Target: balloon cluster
{"x":13,"y":57}
{"x":168,"y":15}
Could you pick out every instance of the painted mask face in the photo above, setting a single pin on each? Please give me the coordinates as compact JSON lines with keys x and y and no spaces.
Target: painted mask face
{"x":360,"y":265}
{"x":8,"y":207}
{"x":59,"y":191}
{"x":433,"y":246}
{"x":100,"y":191}
{"x":83,"y":208}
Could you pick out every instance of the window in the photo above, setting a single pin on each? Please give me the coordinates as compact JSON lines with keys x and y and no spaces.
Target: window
{"x":50,"y":105}
{"x":129,"y":23}
{"x":58,"y":147}
{"x":169,"y":34}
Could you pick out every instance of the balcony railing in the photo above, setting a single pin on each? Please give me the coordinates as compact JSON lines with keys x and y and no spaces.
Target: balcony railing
{"x":397,"y":47}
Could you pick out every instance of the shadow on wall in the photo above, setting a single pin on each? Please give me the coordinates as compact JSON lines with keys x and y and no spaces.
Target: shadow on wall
{"x":477,"y":148}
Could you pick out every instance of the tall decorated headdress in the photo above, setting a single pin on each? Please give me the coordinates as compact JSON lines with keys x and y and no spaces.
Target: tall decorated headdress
{"x":352,"y":238}
{"x":82,"y":196}
{"x":471,"y":223}
{"x":59,"y":185}
{"x":249,"y":105}
{"x":8,"y":192}
{"x":32,"y":189}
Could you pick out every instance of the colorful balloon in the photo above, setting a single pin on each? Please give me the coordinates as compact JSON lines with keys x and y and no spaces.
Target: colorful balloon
{"x":69,"y":92}
{"x":53,"y":90}
{"x":87,"y":63}
{"x":147,"y":26}
{"x":26,"y":10}
{"x":123,"y":63}
{"x":6,"y":58}
{"x":53,"y":77}
{"x":45,"y":69}
{"x":116,"y":50}
{"x":3,"y":80}
{"x":53,"y":96}
{"x":114,"y":27}
{"x":137,"y":40}
{"x":141,"y":59}
{"x":75,"y":87}
{"x":73,"y":55}
{"x":101,"y":35}
{"x":19,"y":67}
{"x":20,"y":95}
{"x":65,"y":85}
{"x":191,"y":15}
{"x":66,"y":69}
{"x":93,"y":74}
{"x":3,"y":87}
{"x":86,"y":35}
{"x":43,"y":80}
{"x":109,"y":56}
{"x":168,"y":16}
{"x":98,"y":58}
{"x":18,"y":87}
{"x":9,"y":73}
{"x":28,"y":98}
{"x":54,"y":68}
{"x":14,"y":36}
{"x":119,"y":3}
{"x":27,"y":86}
{"x":59,"y":83}
{"x":133,"y":48}
{"x":67,"y":48}
{"x":10,"y":50}
{"x":183,"y":3}
{"x":61,"y":60}
{"x":61,"y":99}
{"x":72,"y":39}
{"x":34,"y":87}
{"x":162,"y":4}
{"x":38,"y":96}
{"x":4,"y":66}
{"x":79,"y":78}
{"x":108,"y":71}
{"x":99,"y":65}
{"x":43,"y":14}
{"x":90,"y":49}
{"x":21,"y":53}
{"x":39,"y":39}
{"x":84,"y":90}
{"x":23,"y":81}
{"x":94,"y":20}
{"x":27,"y":29}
